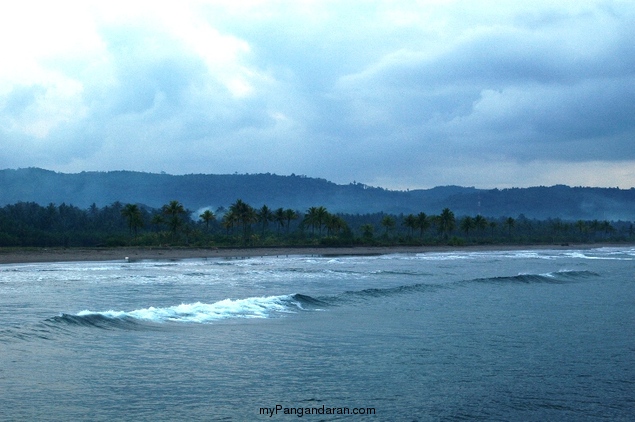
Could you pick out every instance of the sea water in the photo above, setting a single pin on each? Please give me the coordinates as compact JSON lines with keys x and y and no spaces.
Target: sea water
{"x":501,"y":335}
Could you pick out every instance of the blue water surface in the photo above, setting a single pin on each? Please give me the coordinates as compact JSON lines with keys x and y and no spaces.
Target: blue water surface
{"x":500,"y":335}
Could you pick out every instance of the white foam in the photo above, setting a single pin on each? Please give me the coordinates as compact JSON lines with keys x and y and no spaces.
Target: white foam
{"x":255,"y":307}
{"x":600,"y":255}
{"x":442,"y":256}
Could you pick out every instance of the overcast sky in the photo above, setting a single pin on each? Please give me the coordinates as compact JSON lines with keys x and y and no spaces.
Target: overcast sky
{"x":398,"y":94}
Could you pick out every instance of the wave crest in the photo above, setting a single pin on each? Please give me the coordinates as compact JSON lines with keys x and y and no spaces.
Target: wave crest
{"x":198,"y":312}
{"x":563,"y":276}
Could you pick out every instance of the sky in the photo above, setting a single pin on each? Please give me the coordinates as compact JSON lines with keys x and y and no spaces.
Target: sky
{"x":397,"y":94}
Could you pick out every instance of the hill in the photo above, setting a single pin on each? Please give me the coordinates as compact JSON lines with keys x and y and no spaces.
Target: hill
{"x":197,"y":191}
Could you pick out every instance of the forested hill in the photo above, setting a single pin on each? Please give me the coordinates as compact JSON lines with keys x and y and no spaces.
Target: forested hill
{"x":196,"y":191}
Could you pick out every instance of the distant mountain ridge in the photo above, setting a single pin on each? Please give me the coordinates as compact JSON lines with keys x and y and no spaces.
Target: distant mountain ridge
{"x":197,"y":191}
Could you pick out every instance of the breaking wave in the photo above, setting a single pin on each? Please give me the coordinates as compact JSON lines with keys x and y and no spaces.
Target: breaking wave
{"x":253,"y":307}
{"x":563,"y":276}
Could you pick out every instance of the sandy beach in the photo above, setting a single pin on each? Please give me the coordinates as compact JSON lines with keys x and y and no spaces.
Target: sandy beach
{"x":33,"y":255}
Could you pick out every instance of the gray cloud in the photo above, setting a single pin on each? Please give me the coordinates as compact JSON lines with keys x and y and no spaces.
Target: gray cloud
{"x":404,"y":96}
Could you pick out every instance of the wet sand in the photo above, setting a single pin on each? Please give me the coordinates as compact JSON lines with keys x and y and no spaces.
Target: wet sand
{"x":32,"y":255}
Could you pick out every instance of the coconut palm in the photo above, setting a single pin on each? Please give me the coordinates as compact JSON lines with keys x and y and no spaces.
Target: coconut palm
{"x":367,"y":231}
{"x":229,"y":221}
{"x":320,"y":216}
{"x":132,"y":213}
{"x":594,"y":226}
{"x":467,"y":224}
{"x":446,"y":222}
{"x":510,"y":223}
{"x":174,"y":209}
{"x":581,"y":226}
{"x":244,"y":214}
{"x":311,"y":218}
{"x":410,"y":221}
{"x":423,"y":222}
{"x":334,"y":224}
{"x":207,"y":216}
{"x":290,"y":215}
{"x":480,"y":223}
{"x":316,"y":217}
{"x":389,"y":223}
{"x":265,"y":215}
{"x":279,"y":216}
{"x":157,"y":221}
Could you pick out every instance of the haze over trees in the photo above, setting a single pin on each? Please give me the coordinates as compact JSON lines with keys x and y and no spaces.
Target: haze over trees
{"x":296,"y":192}
{"x":241,"y":224}
{"x":44,"y":208}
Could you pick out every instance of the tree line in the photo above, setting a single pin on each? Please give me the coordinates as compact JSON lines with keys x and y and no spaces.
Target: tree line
{"x":26,"y":224}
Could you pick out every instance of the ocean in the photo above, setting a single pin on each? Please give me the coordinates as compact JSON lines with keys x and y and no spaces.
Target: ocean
{"x":532,"y":335}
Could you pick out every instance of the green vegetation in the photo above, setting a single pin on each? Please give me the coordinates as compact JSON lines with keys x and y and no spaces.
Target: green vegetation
{"x":27,"y":224}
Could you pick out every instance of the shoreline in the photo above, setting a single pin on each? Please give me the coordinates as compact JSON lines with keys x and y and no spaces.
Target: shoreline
{"x":49,"y":255}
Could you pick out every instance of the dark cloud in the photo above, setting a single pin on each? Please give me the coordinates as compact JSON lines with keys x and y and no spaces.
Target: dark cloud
{"x":524,"y":94}
{"x":380,"y":93}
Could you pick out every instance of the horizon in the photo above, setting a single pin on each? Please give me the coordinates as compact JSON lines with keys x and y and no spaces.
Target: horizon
{"x":402,"y":95}
{"x":318,"y":178}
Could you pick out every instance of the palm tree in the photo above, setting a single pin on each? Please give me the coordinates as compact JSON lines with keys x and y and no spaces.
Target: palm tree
{"x":229,"y":221}
{"x":388,"y":222}
{"x":608,"y":228}
{"x":132,"y":213}
{"x":244,"y":214}
{"x":157,"y":221}
{"x":480,"y":223}
{"x":321,"y":216}
{"x":594,"y":226}
{"x":173,"y":210}
{"x":467,"y":224}
{"x":311,"y":218}
{"x":581,"y":226}
{"x":264,"y":216}
{"x":410,"y":222}
{"x":510,"y":222}
{"x":423,"y":222}
{"x":279,"y":216}
{"x":446,"y":222}
{"x":290,"y":215}
{"x":367,"y":231}
{"x":207,"y":216}
{"x":334,"y":223}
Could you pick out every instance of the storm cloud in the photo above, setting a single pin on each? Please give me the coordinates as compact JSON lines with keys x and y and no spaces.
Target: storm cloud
{"x":394,"y":94}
